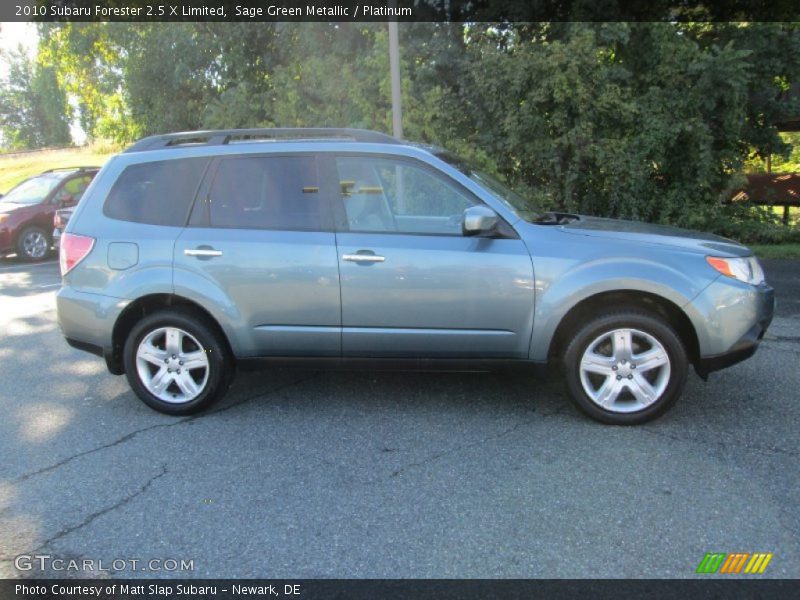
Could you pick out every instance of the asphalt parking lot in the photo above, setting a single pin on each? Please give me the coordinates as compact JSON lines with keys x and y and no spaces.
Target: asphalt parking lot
{"x":308,"y":474}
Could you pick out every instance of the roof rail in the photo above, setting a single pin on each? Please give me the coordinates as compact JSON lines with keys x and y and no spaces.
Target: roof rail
{"x":86,"y":168}
{"x":226,"y":136}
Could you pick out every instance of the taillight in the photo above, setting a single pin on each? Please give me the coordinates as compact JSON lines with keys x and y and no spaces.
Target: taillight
{"x":74,"y":248}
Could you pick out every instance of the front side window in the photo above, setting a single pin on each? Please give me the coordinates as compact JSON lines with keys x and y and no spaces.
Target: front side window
{"x":386,"y":195}
{"x":274,"y":192}
{"x":524,"y":207}
{"x":73,"y":189}
{"x":156,"y":193}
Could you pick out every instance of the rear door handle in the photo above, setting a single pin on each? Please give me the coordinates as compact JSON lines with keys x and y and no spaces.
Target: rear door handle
{"x":372,"y":258}
{"x":202,"y":252}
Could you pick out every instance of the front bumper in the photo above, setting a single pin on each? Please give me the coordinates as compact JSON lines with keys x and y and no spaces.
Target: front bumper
{"x":742,"y":323}
{"x":6,"y":242}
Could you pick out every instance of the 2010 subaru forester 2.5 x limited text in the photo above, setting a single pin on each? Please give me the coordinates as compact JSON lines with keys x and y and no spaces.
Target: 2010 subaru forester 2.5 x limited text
{"x":193,"y":254}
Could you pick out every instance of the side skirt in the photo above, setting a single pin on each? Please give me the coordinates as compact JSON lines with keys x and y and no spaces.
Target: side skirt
{"x":392,"y":364}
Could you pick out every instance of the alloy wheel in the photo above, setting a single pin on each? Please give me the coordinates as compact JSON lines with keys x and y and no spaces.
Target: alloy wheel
{"x":34,"y":244}
{"x":625,"y":370}
{"x":172,"y":365}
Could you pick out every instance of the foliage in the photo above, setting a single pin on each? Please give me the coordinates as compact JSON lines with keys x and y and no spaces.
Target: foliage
{"x":788,"y":251}
{"x":33,"y":109}
{"x":752,"y":224}
{"x":787,"y":162}
{"x":643,"y":121}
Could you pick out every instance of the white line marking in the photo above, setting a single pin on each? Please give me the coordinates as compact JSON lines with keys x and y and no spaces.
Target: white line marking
{"x":26,"y":266}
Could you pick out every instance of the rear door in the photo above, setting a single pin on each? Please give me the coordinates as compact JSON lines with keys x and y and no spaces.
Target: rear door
{"x":260,"y":240}
{"x":412,"y":284}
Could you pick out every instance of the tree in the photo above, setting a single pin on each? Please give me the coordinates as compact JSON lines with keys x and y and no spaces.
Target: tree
{"x":649,"y":121}
{"x":33,"y":108}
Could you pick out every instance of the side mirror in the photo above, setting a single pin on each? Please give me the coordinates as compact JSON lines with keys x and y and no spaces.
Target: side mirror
{"x":479,"y":220}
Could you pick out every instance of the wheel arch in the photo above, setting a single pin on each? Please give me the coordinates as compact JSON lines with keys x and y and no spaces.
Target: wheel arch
{"x":636,"y":299}
{"x":145,"y":305}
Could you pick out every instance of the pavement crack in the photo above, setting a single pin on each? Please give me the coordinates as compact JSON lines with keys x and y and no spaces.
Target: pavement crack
{"x":129,"y":436}
{"x":436,"y":456}
{"x":96,"y":515}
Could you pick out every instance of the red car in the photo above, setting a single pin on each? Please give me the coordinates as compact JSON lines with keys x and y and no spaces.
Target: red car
{"x":26,"y":212}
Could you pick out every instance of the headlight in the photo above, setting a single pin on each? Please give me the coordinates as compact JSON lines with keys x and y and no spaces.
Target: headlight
{"x":3,"y":218}
{"x":746,"y":269}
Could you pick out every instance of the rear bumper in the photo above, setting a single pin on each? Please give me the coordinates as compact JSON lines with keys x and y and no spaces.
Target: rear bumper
{"x":761,"y":308}
{"x":87,"y":320}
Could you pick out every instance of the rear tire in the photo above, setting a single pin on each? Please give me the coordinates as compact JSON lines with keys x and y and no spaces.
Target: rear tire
{"x":176,"y":362}
{"x":625,"y":367}
{"x":33,"y":244}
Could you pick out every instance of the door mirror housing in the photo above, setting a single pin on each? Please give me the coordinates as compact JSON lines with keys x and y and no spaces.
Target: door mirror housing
{"x":479,"y":220}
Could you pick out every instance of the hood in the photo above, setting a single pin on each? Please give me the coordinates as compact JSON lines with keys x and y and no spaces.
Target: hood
{"x":9,"y":207}
{"x":636,"y":231}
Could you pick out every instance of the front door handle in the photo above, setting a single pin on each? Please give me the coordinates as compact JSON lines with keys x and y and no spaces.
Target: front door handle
{"x":371,"y":258}
{"x":204,"y":252}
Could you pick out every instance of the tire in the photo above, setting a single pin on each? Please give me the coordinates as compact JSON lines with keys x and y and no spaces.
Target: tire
{"x":612,"y":357}
{"x":166,"y":387}
{"x":33,"y":244}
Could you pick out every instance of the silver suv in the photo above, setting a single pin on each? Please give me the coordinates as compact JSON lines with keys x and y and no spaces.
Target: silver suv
{"x":196,"y":253}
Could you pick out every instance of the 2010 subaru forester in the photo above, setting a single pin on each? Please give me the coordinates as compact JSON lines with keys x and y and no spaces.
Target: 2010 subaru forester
{"x":194,"y":253}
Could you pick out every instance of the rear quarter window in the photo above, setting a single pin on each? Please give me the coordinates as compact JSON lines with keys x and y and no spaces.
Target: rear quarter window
{"x":156,"y":193}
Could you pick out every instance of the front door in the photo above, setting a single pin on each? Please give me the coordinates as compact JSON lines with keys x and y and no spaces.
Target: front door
{"x":412,"y":284}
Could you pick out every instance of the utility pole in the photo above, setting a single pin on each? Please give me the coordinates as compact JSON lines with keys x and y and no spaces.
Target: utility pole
{"x":394,"y":71}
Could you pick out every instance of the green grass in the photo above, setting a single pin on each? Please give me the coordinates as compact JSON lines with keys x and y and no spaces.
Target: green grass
{"x":790,"y":251}
{"x":15,"y":168}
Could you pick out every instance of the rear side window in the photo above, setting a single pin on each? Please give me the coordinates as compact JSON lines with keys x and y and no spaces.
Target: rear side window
{"x":156,"y":193}
{"x":267,"y":192}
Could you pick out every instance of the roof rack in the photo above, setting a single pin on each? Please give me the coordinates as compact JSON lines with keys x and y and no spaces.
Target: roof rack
{"x":226,"y":136}
{"x":85,"y":168}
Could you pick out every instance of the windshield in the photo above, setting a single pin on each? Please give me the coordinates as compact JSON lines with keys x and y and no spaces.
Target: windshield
{"x":524,"y":207}
{"x":31,"y":191}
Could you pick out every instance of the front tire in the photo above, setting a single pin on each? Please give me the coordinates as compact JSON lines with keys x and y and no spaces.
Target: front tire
{"x":33,"y":244}
{"x":176,"y":363}
{"x":625,"y":367}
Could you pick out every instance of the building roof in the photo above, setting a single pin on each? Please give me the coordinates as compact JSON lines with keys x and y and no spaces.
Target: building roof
{"x":771,"y":188}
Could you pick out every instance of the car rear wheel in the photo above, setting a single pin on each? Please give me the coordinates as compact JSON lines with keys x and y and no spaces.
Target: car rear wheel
{"x":33,"y":244}
{"x":626,"y":367}
{"x":176,"y":363}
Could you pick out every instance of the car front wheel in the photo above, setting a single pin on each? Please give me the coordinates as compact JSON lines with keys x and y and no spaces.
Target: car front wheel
{"x":176,"y":363}
{"x":626,"y":367}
